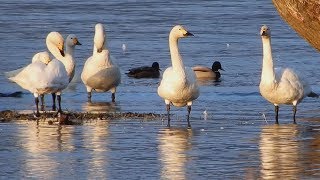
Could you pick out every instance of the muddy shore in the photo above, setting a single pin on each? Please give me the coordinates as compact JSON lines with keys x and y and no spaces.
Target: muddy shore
{"x":70,"y":118}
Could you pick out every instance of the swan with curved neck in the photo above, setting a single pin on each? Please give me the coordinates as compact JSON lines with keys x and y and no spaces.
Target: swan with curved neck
{"x":55,"y":44}
{"x":280,"y":86}
{"x":99,"y":72}
{"x":178,"y":85}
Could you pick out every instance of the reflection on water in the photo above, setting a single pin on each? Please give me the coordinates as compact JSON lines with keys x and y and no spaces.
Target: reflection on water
{"x":39,"y":142}
{"x":100,"y":107}
{"x":287,"y":151}
{"x":173,"y":144}
{"x":96,"y":139}
{"x":58,"y":151}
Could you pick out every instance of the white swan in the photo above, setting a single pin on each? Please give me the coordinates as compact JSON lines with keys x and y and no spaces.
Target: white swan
{"x":99,"y":72}
{"x":37,"y":57}
{"x":178,"y":85}
{"x":67,"y":60}
{"x":41,"y":78}
{"x":280,"y":86}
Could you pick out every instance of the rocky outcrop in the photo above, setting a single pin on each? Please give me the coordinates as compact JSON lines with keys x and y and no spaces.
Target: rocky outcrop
{"x":303,"y":16}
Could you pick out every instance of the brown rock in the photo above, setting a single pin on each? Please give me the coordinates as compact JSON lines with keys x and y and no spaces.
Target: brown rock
{"x":303,"y":16}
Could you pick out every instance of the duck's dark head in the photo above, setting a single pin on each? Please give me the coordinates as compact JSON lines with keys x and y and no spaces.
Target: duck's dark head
{"x":216,"y":66}
{"x":155,"y":65}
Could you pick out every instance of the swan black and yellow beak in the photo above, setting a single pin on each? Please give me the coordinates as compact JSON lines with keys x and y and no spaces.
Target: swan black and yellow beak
{"x":76,"y":41}
{"x":62,"y":52}
{"x":264,"y":33}
{"x":188,"y":34}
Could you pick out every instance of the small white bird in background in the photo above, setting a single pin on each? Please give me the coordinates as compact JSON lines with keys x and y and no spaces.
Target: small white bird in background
{"x":124,"y":48}
{"x":178,"y":85}
{"x":99,"y":72}
{"x":280,"y":86}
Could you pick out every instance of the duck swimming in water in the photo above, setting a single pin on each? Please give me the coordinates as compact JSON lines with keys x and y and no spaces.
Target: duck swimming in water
{"x":145,"y":71}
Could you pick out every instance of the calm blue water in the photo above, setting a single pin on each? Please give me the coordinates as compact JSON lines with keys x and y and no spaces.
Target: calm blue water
{"x":232,"y":134}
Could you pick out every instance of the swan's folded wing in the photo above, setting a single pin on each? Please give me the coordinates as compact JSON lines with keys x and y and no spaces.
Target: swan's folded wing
{"x":105,"y":79}
{"x":13,"y":73}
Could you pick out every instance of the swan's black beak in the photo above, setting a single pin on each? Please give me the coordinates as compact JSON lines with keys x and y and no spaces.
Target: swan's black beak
{"x":188,"y":34}
{"x":264,"y":33}
{"x":78,"y":43}
{"x":62,"y":53}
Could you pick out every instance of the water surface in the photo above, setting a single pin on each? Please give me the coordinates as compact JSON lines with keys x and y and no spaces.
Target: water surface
{"x":232,"y":134}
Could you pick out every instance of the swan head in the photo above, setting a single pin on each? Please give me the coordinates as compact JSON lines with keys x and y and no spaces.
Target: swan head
{"x":99,"y":37}
{"x":56,"y":39}
{"x":155,"y":65}
{"x":44,"y":57}
{"x":265,"y":32}
{"x":72,"y":40}
{"x":216,"y":66}
{"x":179,"y":31}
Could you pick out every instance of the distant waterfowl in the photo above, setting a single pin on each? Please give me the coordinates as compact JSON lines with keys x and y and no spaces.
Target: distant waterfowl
{"x":99,"y":72}
{"x":280,"y":86}
{"x":178,"y":85}
{"x":145,"y":71}
{"x":203,"y":72}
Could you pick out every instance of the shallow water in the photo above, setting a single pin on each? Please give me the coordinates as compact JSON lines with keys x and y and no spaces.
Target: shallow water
{"x":232,"y":134}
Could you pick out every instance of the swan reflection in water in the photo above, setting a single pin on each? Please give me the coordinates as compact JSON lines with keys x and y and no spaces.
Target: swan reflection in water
{"x":279,"y":152}
{"x":47,"y":148}
{"x":100,"y":107}
{"x":40,"y":144}
{"x":173,"y":145}
{"x":96,"y":140}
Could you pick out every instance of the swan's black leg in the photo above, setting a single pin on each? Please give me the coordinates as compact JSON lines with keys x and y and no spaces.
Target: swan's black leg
{"x":36,"y":100}
{"x":168,"y":114}
{"x":113,"y":97}
{"x":294,"y":114}
{"x":42,"y":102}
{"x":189,"y":110}
{"x":54,"y":108}
{"x":59,"y":103}
{"x":276,"y":109}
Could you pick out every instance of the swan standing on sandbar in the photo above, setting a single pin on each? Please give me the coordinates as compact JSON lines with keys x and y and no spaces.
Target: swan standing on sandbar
{"x":178,"y":85}
{"x":42,"y":76}
{"x":203,"y":72}
{"x":67,"y":60}
{"x":99,"y":72}
{"x":280,"y":86}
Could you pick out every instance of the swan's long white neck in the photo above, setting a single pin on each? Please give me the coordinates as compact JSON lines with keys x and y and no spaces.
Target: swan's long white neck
{"x":54,"y":50}
{"x":70,"y":50}
{"x":268,"y":74}
{"x":68,"y":61}
{"x":176,"y":58}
